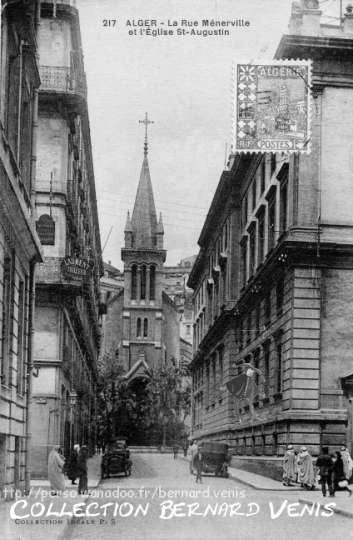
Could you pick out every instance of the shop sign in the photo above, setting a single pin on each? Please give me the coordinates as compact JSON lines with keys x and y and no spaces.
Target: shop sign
{"x":75,"y":268}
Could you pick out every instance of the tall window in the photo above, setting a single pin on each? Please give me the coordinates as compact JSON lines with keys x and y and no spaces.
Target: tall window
{"x":134,"y":282}
{"x":21,"y":330}
{"x":12,"y":94}
{"x":253,"y":190}
{"x":271,"y":221}
{"x":138,"y":327}
{"x":261,"y":237}
{"x":266,"y":372}
{"x":145,"y":327}
{"x":207,"y":384}
{"x":279,"y":365}
{"x":267,"y":315}
{"x":245,"y":209}
{"x":273,"y":163}
{"x":152,"y":283}
{"x":263,"y":176}
{"x":252,"y":249}
{"x":7,"y":313}
{"x":26,"y":138}
{"x":279,"y":296}
{"x":143,"y":283}
{"x":244,"y":252}
{"x":256,"y":365}
{"x":283,"y":216}
{"x":220,"y":365}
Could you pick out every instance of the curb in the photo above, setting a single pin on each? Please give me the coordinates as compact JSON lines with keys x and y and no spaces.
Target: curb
{"x":336,"y":510}
{"x":257,"y":488}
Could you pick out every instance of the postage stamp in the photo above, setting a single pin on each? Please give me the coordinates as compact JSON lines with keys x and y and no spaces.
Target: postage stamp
{"x":272,"y":106}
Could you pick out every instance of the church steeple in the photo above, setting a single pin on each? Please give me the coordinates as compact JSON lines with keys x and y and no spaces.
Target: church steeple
{"x":144,"y":224}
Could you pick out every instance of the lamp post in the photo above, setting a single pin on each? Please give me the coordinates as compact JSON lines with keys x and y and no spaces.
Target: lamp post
{"x":73,"y":401}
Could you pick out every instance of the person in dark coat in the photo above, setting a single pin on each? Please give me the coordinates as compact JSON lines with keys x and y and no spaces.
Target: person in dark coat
{"x":325,"y":463}
{"x":71,"y":469}
{"x":82,"y":470}
{"x":339,"y":478}
{"x":175,"y":451}
{"x":198,"y":462}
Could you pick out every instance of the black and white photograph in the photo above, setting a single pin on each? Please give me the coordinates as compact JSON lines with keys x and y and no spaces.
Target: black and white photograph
{"x":176,"y":269}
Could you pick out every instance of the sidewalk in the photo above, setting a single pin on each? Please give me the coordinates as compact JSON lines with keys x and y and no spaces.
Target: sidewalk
{"x":40,"y":527}
{"x":344,"y":504}
{"x":256,"y":481}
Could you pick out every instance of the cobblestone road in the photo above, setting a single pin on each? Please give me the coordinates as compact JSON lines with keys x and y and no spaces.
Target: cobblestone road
{"x":139,"y":504}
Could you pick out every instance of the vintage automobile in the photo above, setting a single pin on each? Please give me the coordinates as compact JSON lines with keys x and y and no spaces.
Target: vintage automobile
{"x":215,"y":458}
{"x":116,"y":459}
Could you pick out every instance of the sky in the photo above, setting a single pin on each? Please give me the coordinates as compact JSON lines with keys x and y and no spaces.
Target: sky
{"x":185,"y":85}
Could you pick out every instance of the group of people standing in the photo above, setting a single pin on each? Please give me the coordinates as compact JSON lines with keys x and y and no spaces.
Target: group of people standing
{"x":333,"y":471}
{"x":75,"y":468}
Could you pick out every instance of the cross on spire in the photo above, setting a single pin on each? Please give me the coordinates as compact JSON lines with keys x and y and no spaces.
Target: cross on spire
{"x":146,"y":121}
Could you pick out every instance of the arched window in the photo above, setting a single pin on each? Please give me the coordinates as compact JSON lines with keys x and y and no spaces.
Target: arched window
{"x":143,"y":283}
{"x":152,"y":283}
{"x":134,"y":282}
{"x":145,"y":327}
{"x":138,"y":327}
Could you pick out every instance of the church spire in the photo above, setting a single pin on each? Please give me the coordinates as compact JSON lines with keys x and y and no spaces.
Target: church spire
{"x":144,"y":217}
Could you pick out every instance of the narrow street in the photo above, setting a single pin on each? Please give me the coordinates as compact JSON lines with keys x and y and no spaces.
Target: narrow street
{"x":145,"y":493}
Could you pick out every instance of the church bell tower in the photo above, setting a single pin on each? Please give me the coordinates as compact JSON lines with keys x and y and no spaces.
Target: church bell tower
{"x":143,"y":256}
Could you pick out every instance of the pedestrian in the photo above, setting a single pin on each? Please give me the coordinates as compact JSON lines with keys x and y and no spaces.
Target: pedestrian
{"x":306,"y":469}
{"x":82,"y":470}
{"x":193,"y":451}
{"x":325,"y":463}
{"x":289,"y":466}
{"x":56,"y":471}
{"x":347,"y":463}
{"x":198,"y":462}
{"x":185,"y":448}
{"x":175,"y":451}
{"x":340,"y":481}
{"x":296,"y":466}
{"x":71,"y":469}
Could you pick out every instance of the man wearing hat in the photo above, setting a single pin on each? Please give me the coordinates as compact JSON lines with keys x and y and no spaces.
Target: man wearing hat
{"x":325,"y":464}
{"x":289,"y":466}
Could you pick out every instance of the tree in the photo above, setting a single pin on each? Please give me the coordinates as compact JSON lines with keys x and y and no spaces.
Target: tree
{"x":168,"y":399}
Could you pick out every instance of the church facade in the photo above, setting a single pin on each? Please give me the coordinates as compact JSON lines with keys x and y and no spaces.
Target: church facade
{"x":142,"y":322}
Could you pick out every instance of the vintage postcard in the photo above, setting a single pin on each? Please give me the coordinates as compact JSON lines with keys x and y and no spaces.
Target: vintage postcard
{"x":176,"y":269}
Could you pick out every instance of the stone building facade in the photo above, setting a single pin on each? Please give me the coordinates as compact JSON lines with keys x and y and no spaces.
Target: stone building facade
{"x":273,"y":279}
{"x":20,"y":249}
{"x":67,"y":332}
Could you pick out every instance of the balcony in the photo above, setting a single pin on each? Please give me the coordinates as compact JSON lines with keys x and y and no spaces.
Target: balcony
{"x":62,"y":80}
{"x":71,"y":3}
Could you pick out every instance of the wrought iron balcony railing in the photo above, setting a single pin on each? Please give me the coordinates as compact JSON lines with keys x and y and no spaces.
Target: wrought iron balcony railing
{"x":62,"y":79}
{"x":72,"y":3}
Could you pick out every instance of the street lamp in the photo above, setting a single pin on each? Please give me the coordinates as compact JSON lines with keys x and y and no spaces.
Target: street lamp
{"x":73,"y":401}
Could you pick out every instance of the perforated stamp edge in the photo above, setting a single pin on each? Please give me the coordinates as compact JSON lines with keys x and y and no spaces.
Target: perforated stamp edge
{"x":308,"y":87}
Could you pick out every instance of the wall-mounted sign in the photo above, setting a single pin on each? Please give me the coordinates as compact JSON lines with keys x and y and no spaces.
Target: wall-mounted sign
{"x":75,"y":268}
{"x":46,"y":230}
